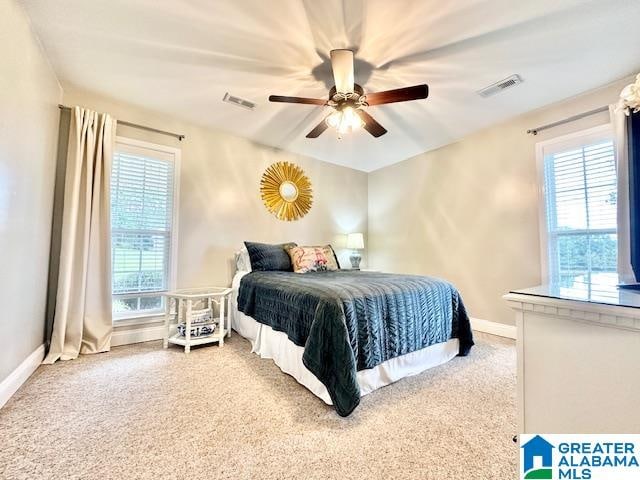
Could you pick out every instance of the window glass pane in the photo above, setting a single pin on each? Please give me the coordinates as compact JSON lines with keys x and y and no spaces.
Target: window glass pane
{"x":137,"y":305}
{"x":573,"y":262}
{"x":123,"y":305}
{"x":139,"y":262}
{"x":150,"y":303}
{"x":585,"y":258}
{"x":603,"y":253}
{"x":580,"y":191}
{"x":141,"y":222}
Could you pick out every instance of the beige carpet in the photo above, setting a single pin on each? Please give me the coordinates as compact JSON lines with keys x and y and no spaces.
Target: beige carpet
{"x":141,"y":412}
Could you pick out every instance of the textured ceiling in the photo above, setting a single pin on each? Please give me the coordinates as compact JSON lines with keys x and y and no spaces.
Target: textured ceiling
{"x":180,"y":57}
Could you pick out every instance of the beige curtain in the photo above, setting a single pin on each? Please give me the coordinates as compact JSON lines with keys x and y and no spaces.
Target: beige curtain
{"x":82,"y":320}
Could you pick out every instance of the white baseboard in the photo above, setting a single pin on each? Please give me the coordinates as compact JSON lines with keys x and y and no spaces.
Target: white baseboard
{"x":14,"y":381}
{"x":132,"y":334}
{"x":494,"y":328}
{"x":126,"y":335}
{"x":138,"y":330}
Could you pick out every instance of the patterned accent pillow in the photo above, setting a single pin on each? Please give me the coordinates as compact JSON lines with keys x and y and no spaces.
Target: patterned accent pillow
{"x":266,"y":257}
{"x":313,"y":259}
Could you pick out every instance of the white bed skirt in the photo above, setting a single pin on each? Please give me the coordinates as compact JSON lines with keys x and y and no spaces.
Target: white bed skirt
{"x":275,"y":345}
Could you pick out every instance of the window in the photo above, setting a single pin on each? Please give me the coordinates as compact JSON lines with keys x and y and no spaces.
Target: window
{"x":143,"y":207}
{"x":580,"y":192}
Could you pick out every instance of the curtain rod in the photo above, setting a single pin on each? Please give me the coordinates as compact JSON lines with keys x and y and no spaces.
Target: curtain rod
{"x":135,"y":125}
{"x":534,"y":131}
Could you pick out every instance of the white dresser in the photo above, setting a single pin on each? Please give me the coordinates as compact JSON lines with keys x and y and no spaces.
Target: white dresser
{"x":578,"y":359}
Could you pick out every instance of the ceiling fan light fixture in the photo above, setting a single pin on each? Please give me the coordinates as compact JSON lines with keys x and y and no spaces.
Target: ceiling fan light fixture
{"x":344,"y":120}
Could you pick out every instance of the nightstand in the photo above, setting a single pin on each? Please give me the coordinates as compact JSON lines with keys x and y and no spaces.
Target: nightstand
{"x":194,"y":312}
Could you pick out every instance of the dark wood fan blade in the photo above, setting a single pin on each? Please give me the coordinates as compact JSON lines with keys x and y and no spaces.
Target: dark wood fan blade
{"x":308,"y":101}
{"x":399,"y":95}
{"x":317,"y":131}
{"x":370,"y":124}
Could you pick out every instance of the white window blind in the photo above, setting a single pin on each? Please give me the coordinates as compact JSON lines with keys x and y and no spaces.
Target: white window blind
{"x":142,"y":189}
{"x":580,"y":196}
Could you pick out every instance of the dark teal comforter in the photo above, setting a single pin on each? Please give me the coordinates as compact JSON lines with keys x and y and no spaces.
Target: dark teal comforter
{"x":351,"y":320}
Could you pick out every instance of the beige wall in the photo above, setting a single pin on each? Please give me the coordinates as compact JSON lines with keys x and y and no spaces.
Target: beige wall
{"x":220,"y":204}
{"x":468,"y":212}
{"x":29,"y":94}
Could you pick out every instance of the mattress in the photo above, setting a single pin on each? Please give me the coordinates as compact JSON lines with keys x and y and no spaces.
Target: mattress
{"x":275,"y":345}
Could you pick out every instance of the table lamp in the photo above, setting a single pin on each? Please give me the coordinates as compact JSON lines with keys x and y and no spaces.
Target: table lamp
{"x":355,"y":241}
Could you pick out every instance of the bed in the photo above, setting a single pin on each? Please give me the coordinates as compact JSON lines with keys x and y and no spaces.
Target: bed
{"x":344,"y":334}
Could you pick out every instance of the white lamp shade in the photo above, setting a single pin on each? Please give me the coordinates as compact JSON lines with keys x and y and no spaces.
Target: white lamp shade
{"x":355,"y":241}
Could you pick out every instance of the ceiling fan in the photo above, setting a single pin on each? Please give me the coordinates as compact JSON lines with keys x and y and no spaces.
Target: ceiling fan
{"x":348,"y":99}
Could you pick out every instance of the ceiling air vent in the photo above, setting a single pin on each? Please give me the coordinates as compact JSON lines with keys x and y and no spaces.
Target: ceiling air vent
{"x":497,"y":87}
{"x":241,"y":102}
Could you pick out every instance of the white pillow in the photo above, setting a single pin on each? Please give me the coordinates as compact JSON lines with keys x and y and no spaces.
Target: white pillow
{"x":243,"y":262}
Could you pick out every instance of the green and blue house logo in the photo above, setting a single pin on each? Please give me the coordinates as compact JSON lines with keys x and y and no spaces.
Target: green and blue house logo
{"x":537,"y":459}
{"x":580,"y":456}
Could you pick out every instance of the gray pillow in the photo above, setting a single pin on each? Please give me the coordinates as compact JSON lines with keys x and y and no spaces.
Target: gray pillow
{"x":267,"y":257}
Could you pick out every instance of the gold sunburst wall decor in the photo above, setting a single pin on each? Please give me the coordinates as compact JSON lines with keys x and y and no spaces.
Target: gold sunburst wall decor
{"x":286,"y":191}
